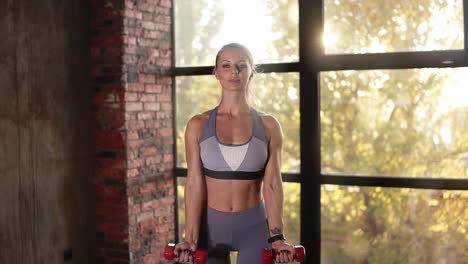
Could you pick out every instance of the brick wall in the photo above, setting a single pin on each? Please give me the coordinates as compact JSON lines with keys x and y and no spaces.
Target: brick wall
{"x":131,"y":61}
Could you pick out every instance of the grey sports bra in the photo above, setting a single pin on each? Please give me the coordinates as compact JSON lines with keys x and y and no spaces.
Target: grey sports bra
{"x":234,"y":161}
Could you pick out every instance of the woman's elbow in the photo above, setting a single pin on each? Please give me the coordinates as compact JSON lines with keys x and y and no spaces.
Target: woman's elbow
{"x":271,"y":189}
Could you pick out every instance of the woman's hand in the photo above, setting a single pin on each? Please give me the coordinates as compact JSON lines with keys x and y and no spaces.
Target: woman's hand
{"x":184,"y":251}
{"x":284,"y":251}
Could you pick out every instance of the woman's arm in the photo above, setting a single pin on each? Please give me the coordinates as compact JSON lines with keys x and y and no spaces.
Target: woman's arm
{"x":195,"y":187}
{"x":273,"y":189}
{"x":195,"y":190}
{"x":272,"y":183}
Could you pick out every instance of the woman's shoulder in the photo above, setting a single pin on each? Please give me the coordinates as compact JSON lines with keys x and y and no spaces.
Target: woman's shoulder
{"x":198,"y":121}
{"x":271,"y":124}
{"x":268,"y":120}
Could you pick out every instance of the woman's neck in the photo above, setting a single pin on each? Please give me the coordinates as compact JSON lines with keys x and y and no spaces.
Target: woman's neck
{"x":234,"y":105}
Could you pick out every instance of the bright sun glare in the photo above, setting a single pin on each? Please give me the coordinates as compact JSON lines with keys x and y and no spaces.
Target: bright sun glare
{"x":248,"y":23}
{"x":457,"y":93}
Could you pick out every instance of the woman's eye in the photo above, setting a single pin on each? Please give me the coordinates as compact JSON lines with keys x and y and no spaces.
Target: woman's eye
{"x":225,"y":65}
{"x":242,"y":66}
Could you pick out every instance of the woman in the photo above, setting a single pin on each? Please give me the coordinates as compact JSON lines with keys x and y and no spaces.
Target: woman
{"x":231,"y":152}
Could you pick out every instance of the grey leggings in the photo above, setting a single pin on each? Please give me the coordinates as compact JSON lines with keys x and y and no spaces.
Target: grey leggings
{"x":245,"y":231}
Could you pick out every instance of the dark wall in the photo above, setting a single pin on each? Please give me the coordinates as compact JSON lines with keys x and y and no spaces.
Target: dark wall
{"x":45,"y":132}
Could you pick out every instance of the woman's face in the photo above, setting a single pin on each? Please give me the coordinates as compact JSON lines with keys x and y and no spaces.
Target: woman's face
{"x":233,"y":69}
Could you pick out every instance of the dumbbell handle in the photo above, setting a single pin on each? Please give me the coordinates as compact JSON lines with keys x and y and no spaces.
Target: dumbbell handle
{"x":268,"y":255}
{"x":199,"y":255}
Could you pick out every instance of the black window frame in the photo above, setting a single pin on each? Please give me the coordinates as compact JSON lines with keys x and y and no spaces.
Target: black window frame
{"x":312,"y":61}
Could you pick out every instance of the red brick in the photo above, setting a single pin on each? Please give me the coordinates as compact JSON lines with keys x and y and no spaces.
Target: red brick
{"x":163,"y":115}
{"x":135,"y":87}
{"x":151,"y":151}
{"x":152,"y":123}
{"x":130,"y":49}
{"x":135,"y":209}
{"x":134,"y":245}
{"x":144,"y":216}
{"x":130,"y":58}
{"x":151,"y":205}
{"x":134,"y":106}
{"x":152,"y":34}
{"x":153,"y":88}
{"x":165,"y":80}
{"x":101,"y":59}
{"x":153,"y":160}
{"x":147,"y":97}
{"x":168,"y":200}
{"x":148,"y":16}
{"x":111,"y":210}
{"x":129,"y":4}
{"x":152,"y":106}
{"x":165,"y":132}
{"x":147,"y":25}
{"x":109,"y":140}
{"x":132,"y":173}
{"x":113,"y":200}
{"x":135,"y":163}
{"x":117,"y":236}
{"x":148,"y":224}
{"x":147,"y":78}
{"x":132,"y":153}
{"x":133,"y":14}
{"x":148,"y":188}
{"x":168,"y":158}
{"x":131,"y":97}
{"x":151,"y":259}
{"x":166,"y":3}
{"x":166,"y":106}
{"x":132,"y":135}
{"x":135,"y":144}
{"x":130,"y":116}
{"x":112,"y":173}
{"x":145,"y":116}
{"x":135,"y":124}
{"x":164,"y":228}
{"x":122,"y":256}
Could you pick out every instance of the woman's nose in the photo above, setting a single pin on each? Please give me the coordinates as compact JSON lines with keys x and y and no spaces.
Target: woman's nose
{"x":236,"y":70}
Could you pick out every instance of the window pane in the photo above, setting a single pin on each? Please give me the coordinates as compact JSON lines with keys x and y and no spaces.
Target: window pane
{"x":388,"y":225}
{"x":270,"y":29}
{"x":395,"y":122}
{"x":375,"y":26}
{"x":291,"y":215}
{"x":181,"y":207}
{"x":292,"y":212}
{"x":272,"y":93}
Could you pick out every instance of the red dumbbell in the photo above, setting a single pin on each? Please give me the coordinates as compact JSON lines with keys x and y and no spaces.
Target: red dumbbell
{"x":268,"y":255}
{"x":199,"y":256}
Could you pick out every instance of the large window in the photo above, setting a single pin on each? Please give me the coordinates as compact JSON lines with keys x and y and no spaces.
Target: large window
{"x":406,"y":122}
{"x":372,"y":96}
{"x":393,"y":131}
{"x":270,"y":30}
